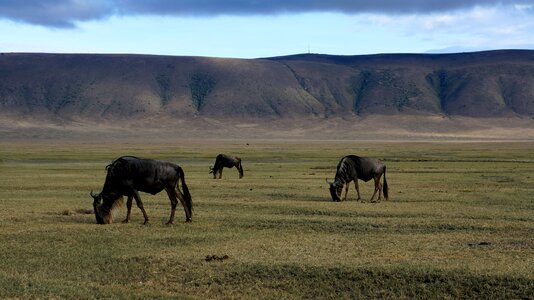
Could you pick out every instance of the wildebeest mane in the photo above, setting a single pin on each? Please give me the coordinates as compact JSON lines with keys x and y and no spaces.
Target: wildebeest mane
{"x":116,"y":166}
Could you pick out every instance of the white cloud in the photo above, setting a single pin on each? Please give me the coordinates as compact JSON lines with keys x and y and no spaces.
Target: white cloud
{"x":477,"y":28}
{"x":524,"y":7}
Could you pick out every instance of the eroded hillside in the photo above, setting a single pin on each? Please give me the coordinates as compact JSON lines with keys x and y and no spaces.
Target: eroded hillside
{"x":114,"y":87}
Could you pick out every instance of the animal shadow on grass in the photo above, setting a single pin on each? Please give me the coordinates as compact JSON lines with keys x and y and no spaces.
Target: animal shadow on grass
{"x":216,"y":257}
{"x":479,"y":244}
{"x":75,"y":216}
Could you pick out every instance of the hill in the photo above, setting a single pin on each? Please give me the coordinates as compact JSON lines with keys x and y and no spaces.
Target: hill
{"x":67,"y":88}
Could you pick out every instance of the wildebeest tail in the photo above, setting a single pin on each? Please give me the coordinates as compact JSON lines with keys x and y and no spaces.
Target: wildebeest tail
{"x":240,"y":167}
{"x":187,"y":195}
{"x":385,"y":190}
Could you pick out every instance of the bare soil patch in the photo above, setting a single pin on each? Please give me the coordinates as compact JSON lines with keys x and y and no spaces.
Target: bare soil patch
{"x":376,"y":127}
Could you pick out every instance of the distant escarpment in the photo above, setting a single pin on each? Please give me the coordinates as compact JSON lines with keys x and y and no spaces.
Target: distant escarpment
{"x":114,"y":87}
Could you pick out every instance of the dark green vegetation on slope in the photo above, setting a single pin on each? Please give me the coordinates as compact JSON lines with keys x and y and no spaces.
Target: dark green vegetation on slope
{"x":114,"y":87}
{"x":460,"y":224}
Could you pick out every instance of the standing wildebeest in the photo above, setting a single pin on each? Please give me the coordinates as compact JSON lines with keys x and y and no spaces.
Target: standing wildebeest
{"x":226,"y":161}
{"x":352,"y":168}
{"x":127,"y":175}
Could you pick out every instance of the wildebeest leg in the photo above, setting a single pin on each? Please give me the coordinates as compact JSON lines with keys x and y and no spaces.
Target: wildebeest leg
{"x":379,"y":190}
{"x":220,"y":173}
{"x":140,"y":205}
{"x":357,"y":189}
{"x":129,"y":209}
{"x":346,"y":190}
{"x":172,"y":196}
{"x":377,"y":182}
{"x":184,"y":204}
{"x":378,"y":185}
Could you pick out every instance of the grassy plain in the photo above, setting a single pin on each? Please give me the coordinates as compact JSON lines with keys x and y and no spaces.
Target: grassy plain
{"x":459,"y":224}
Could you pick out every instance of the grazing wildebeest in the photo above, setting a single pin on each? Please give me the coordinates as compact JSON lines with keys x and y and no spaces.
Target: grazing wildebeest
{"x":127,"y":175}
{"x":352,"y":168}
{"x":226,"y":161}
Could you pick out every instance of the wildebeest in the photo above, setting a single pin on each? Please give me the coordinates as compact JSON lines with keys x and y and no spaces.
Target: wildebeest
{"x":226,"y":161}
{"x":127,"y":175}
{"x":352,"y":168}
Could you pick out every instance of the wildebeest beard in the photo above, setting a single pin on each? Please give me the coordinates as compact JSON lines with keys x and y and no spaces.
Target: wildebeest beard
{"x":104,"y":207}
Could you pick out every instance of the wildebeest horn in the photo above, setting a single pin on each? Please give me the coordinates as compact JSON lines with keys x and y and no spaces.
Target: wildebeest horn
{"x":326,"y":179}
{"x":93,"y":195}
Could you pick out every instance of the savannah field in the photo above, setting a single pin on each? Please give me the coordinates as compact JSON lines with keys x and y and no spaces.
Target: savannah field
{"x":459,"y":223}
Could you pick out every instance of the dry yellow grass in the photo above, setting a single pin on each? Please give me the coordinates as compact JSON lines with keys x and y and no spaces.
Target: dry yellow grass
{"x":460,"y":223}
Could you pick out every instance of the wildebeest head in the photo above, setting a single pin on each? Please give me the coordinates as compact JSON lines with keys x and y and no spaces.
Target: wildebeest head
{"x":102,"y":207}
{"x":335,"y":191}
{"x":97,"y":206}
{"x":214,"y":172}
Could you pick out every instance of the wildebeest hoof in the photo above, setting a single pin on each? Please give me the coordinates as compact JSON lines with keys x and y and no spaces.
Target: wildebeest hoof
{"x":146,"y":222}
{"x":170,"y":223}
{"x":188,"y":221}
{"x":125,"y":221}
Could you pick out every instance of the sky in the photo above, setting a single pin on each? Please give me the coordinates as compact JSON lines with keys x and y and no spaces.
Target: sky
{"x":264,"y":28}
